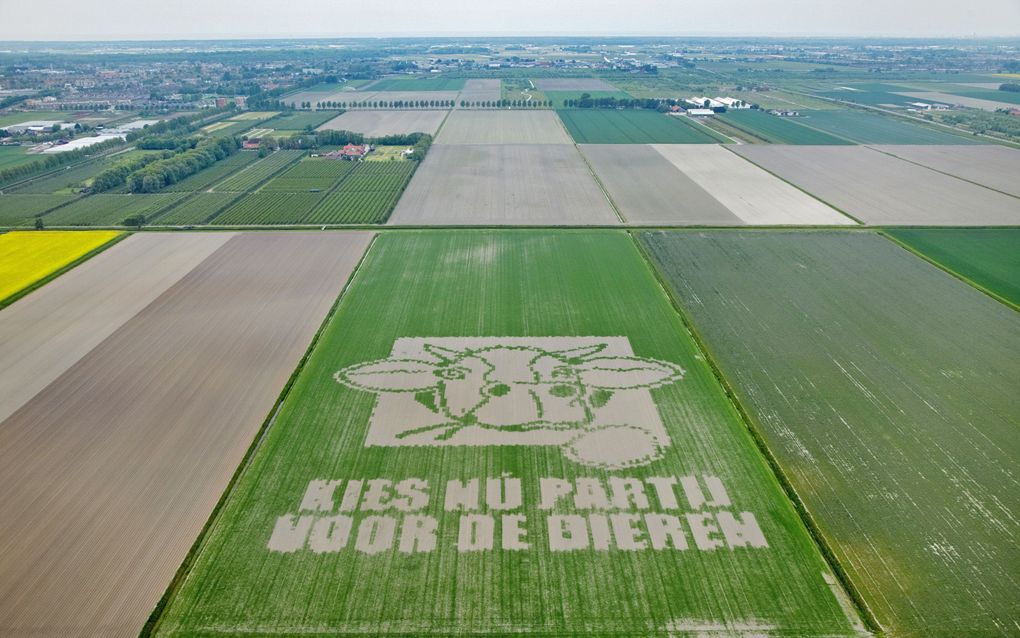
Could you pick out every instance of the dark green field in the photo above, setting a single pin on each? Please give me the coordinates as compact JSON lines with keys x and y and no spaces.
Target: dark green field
{"x":989,"y":257}
{"x":298,"y":120}
{"x":416,"y":84}
{"x":609,"y":126}
{"x":886,"y":389}
{"x":871,"y":128}
{"x":778,"y":130}
{"x":257,"y":573}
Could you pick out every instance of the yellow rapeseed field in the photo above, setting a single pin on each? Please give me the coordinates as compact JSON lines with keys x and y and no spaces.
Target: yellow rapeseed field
{"x":28,"y":256}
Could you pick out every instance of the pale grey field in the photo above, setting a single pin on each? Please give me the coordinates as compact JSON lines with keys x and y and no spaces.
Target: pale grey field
{"x":511,"y":184}
{"x":879,"y":189}
{"x":120,"y":461}
{"x":573,"y":84}
{"x":648,"y":189}
{"x":49,"y":330}
{"x":377,"y":123}
{"x":990,"y":165}
{"x":959,"y":100}
{"x":503,"y":127}
{"x":478,"y":90}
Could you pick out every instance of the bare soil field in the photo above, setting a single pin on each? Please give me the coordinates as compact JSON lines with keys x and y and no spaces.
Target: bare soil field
{"x":481,"y":90}
{"x":990,"y":165}
{"x":503,"y":127}
{"x":574,"y":84}
{"x":753,"y":195}
{"x":111,"y":471}
{"x":880,"y":189}
{"x":379,"y":123}
{"x":648,"y":189}
{"x":47,"y":332}
{"x":503,"y":184}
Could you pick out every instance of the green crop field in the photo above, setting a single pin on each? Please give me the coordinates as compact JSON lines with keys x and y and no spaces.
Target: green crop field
{"x":989,"y":257}
{"x":995,"y":95}
{"x":367,"y":196}
{"x":214,"y":174}
{"x":11,"y":156}
{"x":310,"y":174}
{"x":18,"y":210}
{"x":469,"y":511}
{"x":110,"y":210}
{"x":416,"y":84}
{"x":250,"y":177}
{"x":886,"y":389}
{"x":63,"y":180}
{"x":605,"y":126}
{"x":195,"y":210}
{"x":869,"y":97}
{"x":269,"y":207}
{"x":298,"y":120}
{"x":872,"y":128}
{"x":777,"y":130}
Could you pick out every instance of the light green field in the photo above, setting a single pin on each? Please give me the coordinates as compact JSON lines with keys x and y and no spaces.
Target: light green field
{"x":886,"y":389}
{"x":609,"y":404}
{"x":989,"y":257}
{"x":417,"y":84}
{"x":871,"y":128}
{"x":777,"y":130}
{"x":605,"y":126}
{"x":17,"y":117}
{"x":11,"y":156}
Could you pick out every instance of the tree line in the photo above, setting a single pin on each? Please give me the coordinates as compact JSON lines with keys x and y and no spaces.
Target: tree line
{"x":159,"y":174}
{"x":53,"y":160}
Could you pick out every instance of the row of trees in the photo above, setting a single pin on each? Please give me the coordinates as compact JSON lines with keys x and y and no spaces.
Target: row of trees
{"x":506,"y":103}
{"x":117,"y":174}
{"x":380,"y":104}
{"x":586,"y":101}
{"x":160,"y":174}
{"x":53,"y":160}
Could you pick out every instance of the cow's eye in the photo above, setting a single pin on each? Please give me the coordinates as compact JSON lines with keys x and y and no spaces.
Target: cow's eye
{"x":451,"y":373}
{"x":562,"y":390}
{"x":562,"y":372}
{"x":498,"y":389}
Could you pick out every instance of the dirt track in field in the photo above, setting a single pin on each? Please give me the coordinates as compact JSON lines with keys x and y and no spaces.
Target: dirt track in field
{"x":47,"y":332}
{"x":108,"y":475}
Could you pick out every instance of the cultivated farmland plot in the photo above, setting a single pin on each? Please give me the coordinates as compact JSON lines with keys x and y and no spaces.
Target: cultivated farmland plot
{"x":27,"y":257}
{"x":299,"y":120}
{"x":251,"y":176}
{"x":648,"y":189}
{"x":110,"y":210}
{"x":502,"y":127}
{"x":481,"y":90}
{"x":605,"y":126}
{"x":380,"y":123}
{"x":207,"y":177}
{"x":367,"y":196}
{"x":18,"y":210}
{"x":880,"y":189}
{"x":752,"y":194}
{"x":958,"y":100}
{"x":573,"y":84}
{"x":871,"y":128}
{"x":778,"y":130}
{"x":269,"y":207}
{"x":47,"y":332}
{"x":503,"y":184}
{"x":112,"y":470}
{"x":988,"y":257}
{"x":308,"y":175}
{"x":990,"y":165}
{"x":472,"y":509}
{"x":197,"y":210}
{"x":886,"y":388}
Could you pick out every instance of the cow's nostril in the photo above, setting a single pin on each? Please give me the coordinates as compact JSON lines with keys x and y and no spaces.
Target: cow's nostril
{"x":498,"y":389}
{"x":562,"y":390}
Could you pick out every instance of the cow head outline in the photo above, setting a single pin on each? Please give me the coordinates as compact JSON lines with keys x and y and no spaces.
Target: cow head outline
{"x":512,"y":388}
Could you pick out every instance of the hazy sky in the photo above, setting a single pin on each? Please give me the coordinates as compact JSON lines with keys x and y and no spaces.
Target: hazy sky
{"x":173,"y":19}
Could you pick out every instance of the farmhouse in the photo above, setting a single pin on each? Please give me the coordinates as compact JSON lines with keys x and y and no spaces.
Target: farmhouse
{"x":700,"y":112}
{"x":350,"y":152}
{"x":251,"y":144}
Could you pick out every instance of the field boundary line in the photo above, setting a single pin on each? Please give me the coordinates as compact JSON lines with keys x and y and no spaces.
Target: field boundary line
{"x":39,"y":283}
{"x":930,"y":168}
{"x":754,"y":430}
{"x":946,"y":269}
{"x":184,"y":570}
{"x":257,"y":186}
{"x":806,"y":192}
{"x":591,"y":170}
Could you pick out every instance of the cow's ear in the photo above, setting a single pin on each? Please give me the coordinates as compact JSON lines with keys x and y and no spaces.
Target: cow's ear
{"x":576,"y":355}
{"x":390,"y":375}
{"x":446,"y":355}
{"x":623,"y":373}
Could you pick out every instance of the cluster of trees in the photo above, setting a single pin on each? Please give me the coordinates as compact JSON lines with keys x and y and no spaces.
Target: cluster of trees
{"x":1010,"y":86}
{"x":54,"y":160}
{"x":116,"y":175}
{"x":506,"y":103}
{"x":419,"y":142}
{"x":420,"y":146}
{"x":166,"y":143}
{"x":999,"y":123}
{"x":159,"y":174}
{"x":586,"y":101}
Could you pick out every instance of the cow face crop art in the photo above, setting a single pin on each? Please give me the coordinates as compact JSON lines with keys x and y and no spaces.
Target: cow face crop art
{"x":589,"y":395}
